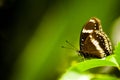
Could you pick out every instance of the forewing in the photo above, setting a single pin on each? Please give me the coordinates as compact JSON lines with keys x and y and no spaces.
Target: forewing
{"x":91,"y":48}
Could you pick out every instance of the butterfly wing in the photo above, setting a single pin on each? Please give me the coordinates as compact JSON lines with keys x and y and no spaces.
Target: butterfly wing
{"x":89,"y":27}
{"x":91,"y":48}
{"x":92,"y":24}
{"x":104,"y":41}
{"x":93,"y":41}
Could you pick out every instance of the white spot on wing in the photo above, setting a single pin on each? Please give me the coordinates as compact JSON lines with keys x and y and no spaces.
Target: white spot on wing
{"x":95,"y":25}
{"x":87,"y":31}
{"x":91,"y":20}
{"x":107,"y":42}
{"x":96,"y":44}
{"x":82,"y":39}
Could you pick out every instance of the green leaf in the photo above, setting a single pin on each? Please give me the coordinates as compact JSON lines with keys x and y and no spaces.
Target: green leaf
{"x":112,"y":60}
{"x":77,"y":71}
{"x":117,"y":53}
{"x":88,"y":64}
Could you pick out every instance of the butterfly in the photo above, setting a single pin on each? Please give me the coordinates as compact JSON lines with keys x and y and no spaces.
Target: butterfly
{"x":93,"y":40}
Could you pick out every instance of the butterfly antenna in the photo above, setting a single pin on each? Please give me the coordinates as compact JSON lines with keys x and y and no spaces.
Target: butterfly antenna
{"x":73,"y":47}
{"x":68,"y":48}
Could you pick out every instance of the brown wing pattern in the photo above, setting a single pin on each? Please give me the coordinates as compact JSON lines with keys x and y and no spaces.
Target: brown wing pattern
{"x":93,"y":41}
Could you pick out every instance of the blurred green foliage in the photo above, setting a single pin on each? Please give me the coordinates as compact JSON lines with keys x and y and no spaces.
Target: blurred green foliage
{"x":41,"y":27}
